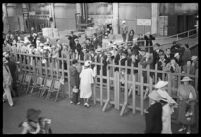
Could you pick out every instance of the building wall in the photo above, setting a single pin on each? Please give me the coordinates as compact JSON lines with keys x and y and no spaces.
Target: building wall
{"x":133,"y":11}
{"x":65,"y":16}
{"x":14,"y":15}
{"x":101,"y":12}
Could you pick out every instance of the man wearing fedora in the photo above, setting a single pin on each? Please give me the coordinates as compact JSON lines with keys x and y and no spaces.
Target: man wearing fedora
{"x":124,"y":30}
{"x":7,"y":81}
{"x":187,"y":97}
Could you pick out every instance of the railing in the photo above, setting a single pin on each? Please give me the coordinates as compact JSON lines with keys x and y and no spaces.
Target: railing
{"x":122,"y":89}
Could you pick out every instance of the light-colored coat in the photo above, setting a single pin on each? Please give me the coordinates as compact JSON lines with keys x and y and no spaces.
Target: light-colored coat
{"x":86,"y":80}
{"x":7,"y":78}
{"x":166,"y":119}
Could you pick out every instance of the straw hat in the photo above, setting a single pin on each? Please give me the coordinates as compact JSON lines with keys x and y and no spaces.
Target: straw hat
{"x":33,"y":114}
{"x":161,"y":84}
{"x":186,"y":79}
{"x":154,"y":95}
{"x":87,"y":63}
{"x":194,"y":57}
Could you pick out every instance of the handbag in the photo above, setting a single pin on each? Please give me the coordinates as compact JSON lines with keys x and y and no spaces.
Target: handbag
{"x":190,"y":96}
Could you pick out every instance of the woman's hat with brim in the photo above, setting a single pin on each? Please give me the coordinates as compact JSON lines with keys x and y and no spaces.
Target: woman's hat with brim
{"x":161,"y":84}
{"x":87,"y":63}
{"x":33,"y":114}
{"x":186,"y":79}
{"x":154,"y":95}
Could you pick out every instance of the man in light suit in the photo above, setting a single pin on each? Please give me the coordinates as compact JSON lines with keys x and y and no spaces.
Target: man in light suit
{"x":124,"y":30}
{"x":7,"y":80}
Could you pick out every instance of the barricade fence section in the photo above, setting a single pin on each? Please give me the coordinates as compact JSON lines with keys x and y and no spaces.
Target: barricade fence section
{"x":124,"y":87}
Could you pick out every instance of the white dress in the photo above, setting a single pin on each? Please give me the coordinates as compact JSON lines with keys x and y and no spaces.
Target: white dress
{"x":86,"y":79}
{"x":166,"y":119}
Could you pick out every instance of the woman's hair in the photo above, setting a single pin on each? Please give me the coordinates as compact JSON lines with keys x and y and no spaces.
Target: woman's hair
{"x":131,"y":31}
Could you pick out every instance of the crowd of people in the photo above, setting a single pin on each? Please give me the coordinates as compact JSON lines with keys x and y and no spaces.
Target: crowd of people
{"x":178,"y":58}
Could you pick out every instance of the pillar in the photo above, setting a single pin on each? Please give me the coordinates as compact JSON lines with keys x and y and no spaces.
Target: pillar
{"x":78,"y":8}
{"x":5,"y":21}
{"x":52,"y":14}
{"x":154,"y":17}
{"x":115,"y":21}
{"x":78,"y":12}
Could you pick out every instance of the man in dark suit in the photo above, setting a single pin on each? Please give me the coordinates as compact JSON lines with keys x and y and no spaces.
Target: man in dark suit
{"x":71,"y":39}
{"x":78,"y":47}
{"x":95,"y":41}
{"x":153,"y":116}
{"x":89,"y":46}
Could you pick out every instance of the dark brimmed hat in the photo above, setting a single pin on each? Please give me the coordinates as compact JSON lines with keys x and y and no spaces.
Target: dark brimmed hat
{"x":33,"y":114}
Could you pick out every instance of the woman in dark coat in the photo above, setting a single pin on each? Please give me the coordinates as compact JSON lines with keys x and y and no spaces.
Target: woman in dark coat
{"x":153,"y":116}
{"x":130,"y":37}
{"x":74,"y":81}
{"x":149,"y":43}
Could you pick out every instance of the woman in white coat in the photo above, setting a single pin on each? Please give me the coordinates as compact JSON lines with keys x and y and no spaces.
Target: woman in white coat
{"x":168,"y":106}
{"x":86,"y":80}
{"x":7,"y":81}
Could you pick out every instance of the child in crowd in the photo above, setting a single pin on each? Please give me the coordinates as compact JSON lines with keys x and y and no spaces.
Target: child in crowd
{"x":35,"y":124}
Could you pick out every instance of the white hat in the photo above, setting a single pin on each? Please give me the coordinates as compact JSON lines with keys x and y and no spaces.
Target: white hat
{"x":176,"y":54}
{"x":186,"y":79}
{"x":123,"y":21}
{"x":87,"y":63}
{"x":4,"y":53}
{"x":76,"y":39}
{"x":161,"y":84}
{"x":154,"y":95}
{"x":41,"y":44}
{"x":45,"y":47}
{"x":194,"y":57}
{"x":5,"y":60}
{"x":34,"y":34}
